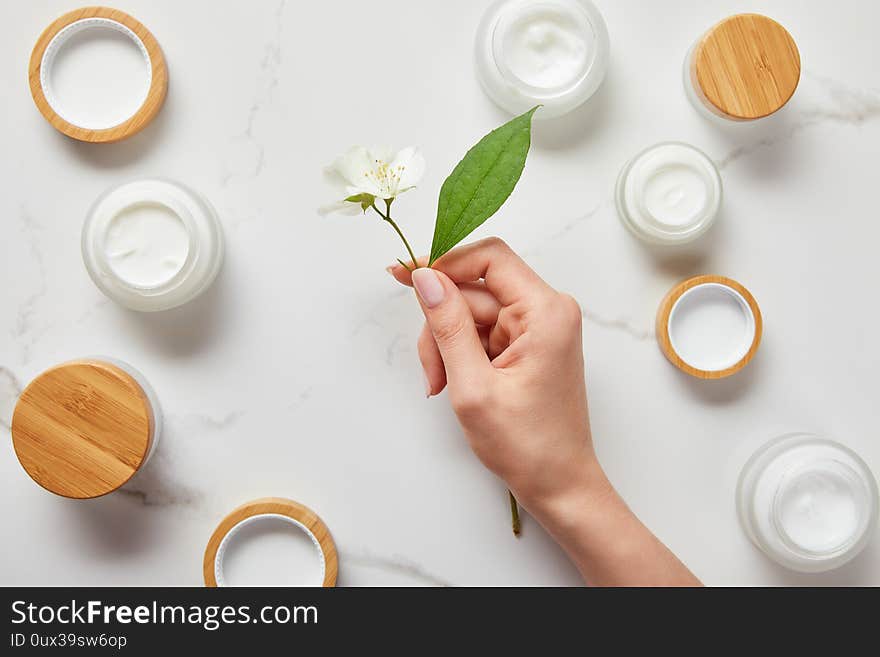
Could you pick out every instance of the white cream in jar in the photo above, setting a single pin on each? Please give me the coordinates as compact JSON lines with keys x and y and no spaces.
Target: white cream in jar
{"x":146,"y":244}
{"x":548,"y":52}
{"x":152,"y":244}
{"x":669,"y":193}
{"x":808,"y":503}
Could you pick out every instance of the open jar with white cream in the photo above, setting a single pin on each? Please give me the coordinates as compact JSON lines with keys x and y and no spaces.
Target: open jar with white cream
{"x":152,"y":244}
{"x":669,"y":193}
{"x":807,"y":502}
{"x":542,"y":52}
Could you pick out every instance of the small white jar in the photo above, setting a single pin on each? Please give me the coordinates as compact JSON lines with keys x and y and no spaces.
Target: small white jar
{"x":669,"y":193}
{"x":808,"y":503}
{"x":744,"y":68}
{"x":84,"y":428}
{"x":542,"y":52}
{"x":152,"y":244}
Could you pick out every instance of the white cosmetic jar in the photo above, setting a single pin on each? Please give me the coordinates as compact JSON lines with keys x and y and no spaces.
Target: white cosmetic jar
{"x":669,"y":193}
{"x":807,"y":502}
{"x":152,"y":244}
{"x":84,"y":428}
{"x":541,"y":52}
{"x":744,"y":68}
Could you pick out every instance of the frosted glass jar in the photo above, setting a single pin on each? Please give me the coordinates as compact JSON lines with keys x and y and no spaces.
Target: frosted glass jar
{"x":745,"y":67}
{"x":84,"y":428}
{"x":669,"y":193}
{"x":152,"y":244}
{"x":808,"y":503}
{"x":541,"y":52}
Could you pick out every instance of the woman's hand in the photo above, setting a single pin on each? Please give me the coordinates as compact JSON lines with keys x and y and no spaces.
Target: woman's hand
{"x":509,"y":348}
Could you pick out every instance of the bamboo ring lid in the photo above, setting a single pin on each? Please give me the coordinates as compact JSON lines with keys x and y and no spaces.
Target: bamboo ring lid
{"x":82,"y":429}
{"x":146,"y":42}
{"x":300,"y":515}
{"x":746,"y":67}
{"x":720,"y":289}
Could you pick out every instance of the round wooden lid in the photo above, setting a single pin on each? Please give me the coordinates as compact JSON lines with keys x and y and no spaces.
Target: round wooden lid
{"x":746,"y":67}
{"x":665,"y":341}
{"x":155,"y":94}
{"x":82,"y":429}
{"x":271,"y":506}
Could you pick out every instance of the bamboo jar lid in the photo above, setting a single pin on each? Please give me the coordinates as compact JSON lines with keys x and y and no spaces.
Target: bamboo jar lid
{"x":82,"y":429}
{"x":709,"y":326}
{"x":268,"y":508}
{"x":746,"y":67}
{"x":51,"y":42}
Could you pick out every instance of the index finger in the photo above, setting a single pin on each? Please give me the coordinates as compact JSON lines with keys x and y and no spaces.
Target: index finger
{"x":507,"y":275}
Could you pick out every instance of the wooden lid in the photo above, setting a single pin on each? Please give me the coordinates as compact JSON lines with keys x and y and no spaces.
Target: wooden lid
{"x":665,"y":341}
{"x":304,"y":516}
{"x":82,"y":429}
{"x":746,"y":67}
{"x":148,"y":109}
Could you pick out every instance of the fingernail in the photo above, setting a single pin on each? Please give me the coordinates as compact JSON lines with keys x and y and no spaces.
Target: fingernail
{"x":427,"y":385}
{"x":428,"y":286}
{"x":390,"y":269}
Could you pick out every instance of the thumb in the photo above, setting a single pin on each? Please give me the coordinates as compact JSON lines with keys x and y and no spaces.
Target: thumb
{"x":452,"y":326}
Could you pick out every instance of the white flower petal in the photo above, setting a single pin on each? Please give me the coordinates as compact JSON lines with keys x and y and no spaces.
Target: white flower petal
{"x":413,"y":167}
{"x":354,"y":166}
{"x":380,"y":153}
{"x":340,"y":207}
{"x":335,"y":179}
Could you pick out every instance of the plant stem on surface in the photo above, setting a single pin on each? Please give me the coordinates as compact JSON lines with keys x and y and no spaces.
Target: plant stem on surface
{"x":514,"y":514}
{"x":387,"y":217}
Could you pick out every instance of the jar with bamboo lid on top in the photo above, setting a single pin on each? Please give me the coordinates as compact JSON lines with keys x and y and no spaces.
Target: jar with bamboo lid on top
{"x":83,"y":428}
{"x":744,"y":68}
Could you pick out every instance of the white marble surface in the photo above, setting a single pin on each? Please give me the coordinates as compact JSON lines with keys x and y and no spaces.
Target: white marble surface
{"x":296,"y":374}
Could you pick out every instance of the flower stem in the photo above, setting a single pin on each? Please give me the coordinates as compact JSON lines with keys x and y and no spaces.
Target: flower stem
{"x":387,"y":217}
{"x":514,"y":515}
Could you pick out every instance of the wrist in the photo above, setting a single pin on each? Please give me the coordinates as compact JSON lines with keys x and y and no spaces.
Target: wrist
{"x":585,"y":489}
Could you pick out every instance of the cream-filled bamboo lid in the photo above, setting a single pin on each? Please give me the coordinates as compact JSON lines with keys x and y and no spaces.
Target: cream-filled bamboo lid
{"x":82,"y":429}
{"x":746,"y":67}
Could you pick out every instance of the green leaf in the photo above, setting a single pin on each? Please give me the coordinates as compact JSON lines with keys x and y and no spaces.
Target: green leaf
{"x":366,"y":200}
{"x":481,"y":183}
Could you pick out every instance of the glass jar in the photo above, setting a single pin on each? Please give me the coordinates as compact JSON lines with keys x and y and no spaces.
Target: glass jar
{"x":152,"y":244}
{"x":541,"y":52}
{"x":807,"y":502}
{"x":744,"y":68}
{"x":84,"y":428}
{"x":669,"y":193}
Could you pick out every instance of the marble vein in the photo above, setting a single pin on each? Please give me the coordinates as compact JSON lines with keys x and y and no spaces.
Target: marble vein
{"x":394,"y":347}
{"x":160,"y":496}
{"x":211,"y":422}
{"x":24,"y":324}
{"x":618,"y":324}
{"x":394,"y":564}
{"x":300,"y":399}
{"x":270,"y":64}
{"x":10,"y":390}
{"x":379,"y":310}
{"x":847,"y":106}
{"x":574,"y":223}
{"x":156,"y":484}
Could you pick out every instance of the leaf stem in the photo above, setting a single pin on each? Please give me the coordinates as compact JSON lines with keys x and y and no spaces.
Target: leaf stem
{"x":387,"y":217}
{"x":514,"y":515}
